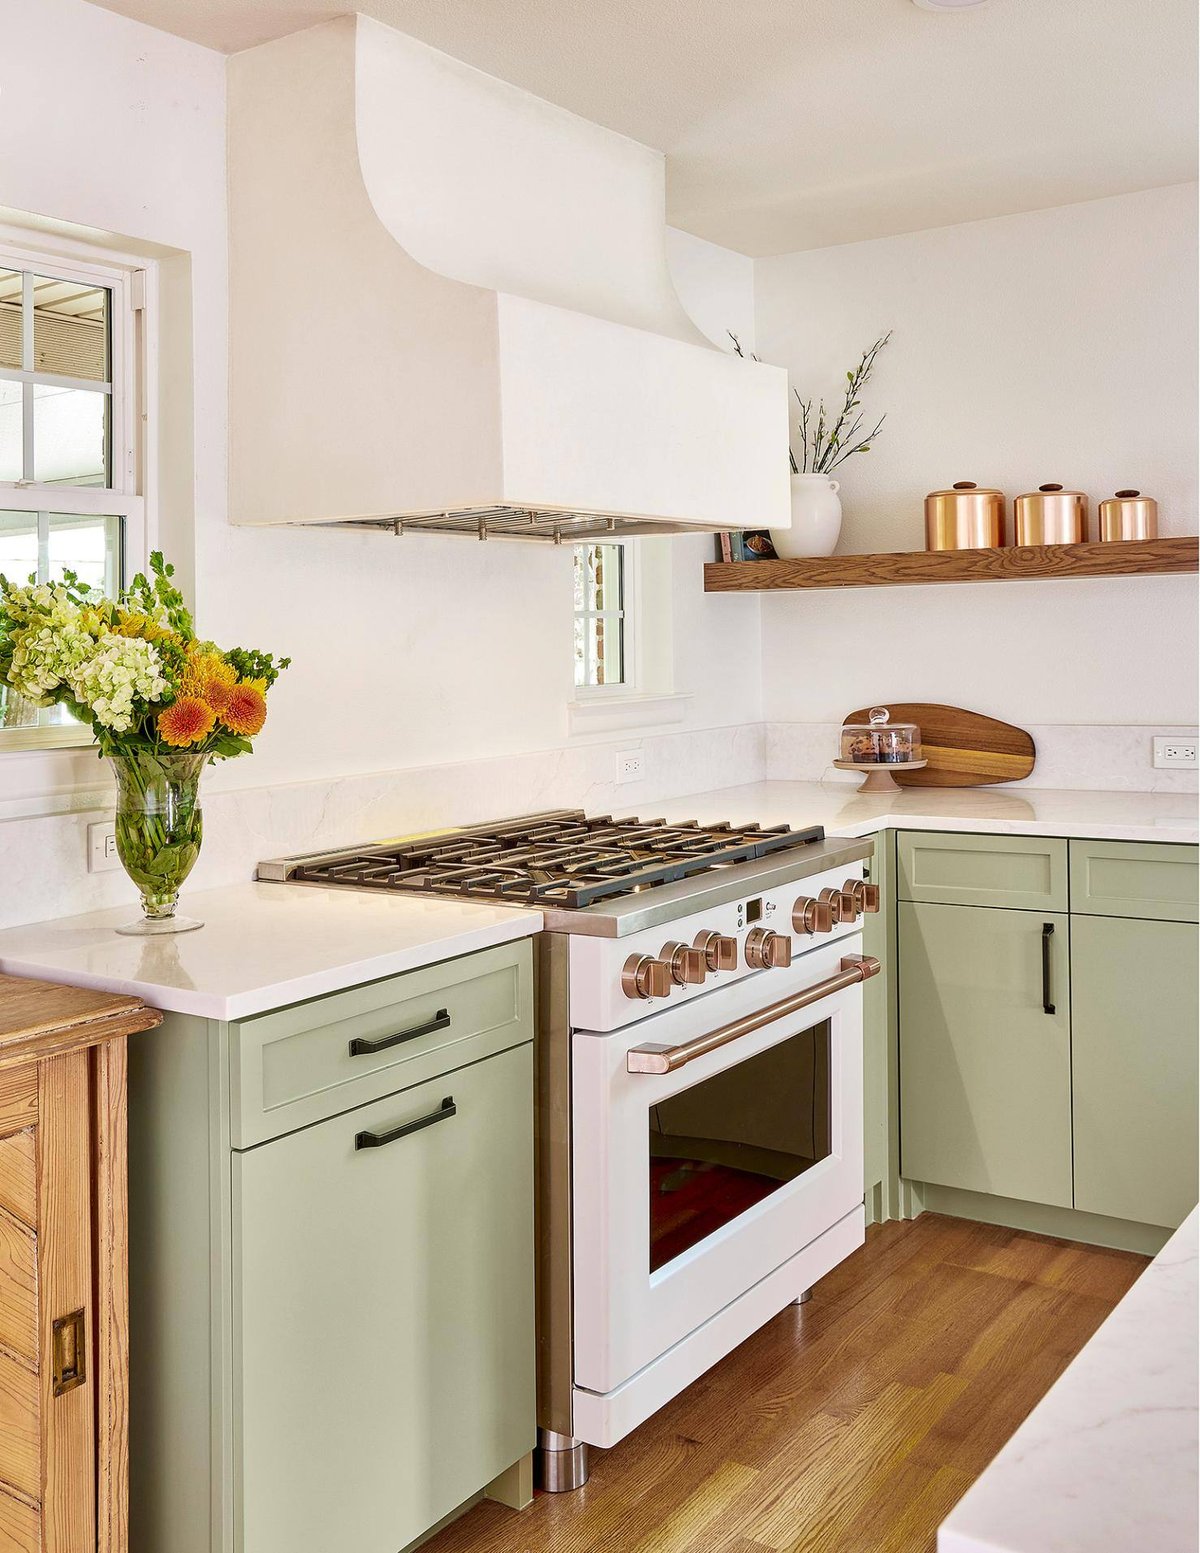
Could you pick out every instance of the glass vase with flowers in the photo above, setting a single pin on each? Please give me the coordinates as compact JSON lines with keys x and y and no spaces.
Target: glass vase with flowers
{"x":161,"y":703}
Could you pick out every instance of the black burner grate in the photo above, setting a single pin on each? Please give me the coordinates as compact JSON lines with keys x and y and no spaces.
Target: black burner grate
{"x":566,"y":860}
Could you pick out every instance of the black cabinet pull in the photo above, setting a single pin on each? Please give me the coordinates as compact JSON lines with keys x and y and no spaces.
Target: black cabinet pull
{"x":362,"y":1047}
{"x":1047,"y":935}
{"x":378,"y":1140}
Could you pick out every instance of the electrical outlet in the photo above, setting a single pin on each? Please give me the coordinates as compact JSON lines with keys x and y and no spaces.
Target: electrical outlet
{"x":102,"y":847}
{"x":1175,"y":750}
{"x":629,"y":766}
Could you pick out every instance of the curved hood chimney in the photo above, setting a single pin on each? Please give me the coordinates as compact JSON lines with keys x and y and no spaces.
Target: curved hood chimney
{"x":450,"y":308}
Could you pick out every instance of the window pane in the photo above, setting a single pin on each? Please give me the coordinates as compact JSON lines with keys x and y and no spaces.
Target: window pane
{"x":89,"y":547}
{"x":70,"y":435}
{"x":70,"y":328}
{"x":10,"y":430}
{"x":10,"y":318}
{"x":581,"y":667}
{"x":18,"y":545}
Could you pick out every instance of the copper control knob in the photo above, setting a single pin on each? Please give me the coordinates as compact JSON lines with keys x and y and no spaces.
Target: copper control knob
{"x":688,"y":966}
{"x":767,"y":950}
{"x":866,"y":896}
{"x":719,"y":950}
{"x":841,"y":903}
{"x":645,"y":977}
{"x":810,"y":916}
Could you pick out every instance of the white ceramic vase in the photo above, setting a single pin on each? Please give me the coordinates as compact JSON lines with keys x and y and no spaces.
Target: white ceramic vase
{"x":816,"y":519}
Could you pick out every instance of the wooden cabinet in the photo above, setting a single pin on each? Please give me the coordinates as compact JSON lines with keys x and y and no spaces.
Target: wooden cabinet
{"x":63,"y":1271}
{"x":985,"y":1050}
{"x":1093,"y":1106}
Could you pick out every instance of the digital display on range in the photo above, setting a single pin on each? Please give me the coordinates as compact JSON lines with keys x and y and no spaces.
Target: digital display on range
{"x":754,"y":910}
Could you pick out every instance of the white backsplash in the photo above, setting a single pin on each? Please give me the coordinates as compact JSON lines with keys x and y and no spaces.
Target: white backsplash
{"x":1072,"y":756}
{"x":43,"y":859}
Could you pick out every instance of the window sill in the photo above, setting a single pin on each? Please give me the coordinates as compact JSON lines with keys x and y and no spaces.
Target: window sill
{"x":604,"y":714}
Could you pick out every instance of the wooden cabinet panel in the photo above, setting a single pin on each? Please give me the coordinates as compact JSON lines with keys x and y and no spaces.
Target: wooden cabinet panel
{"x":18,"y":1289}
{"x":383,"y":1314}
{"x":18,"y":1097}
{"x":18,"y":1176}
{"x":1134,"y":879}
{"x":20,"y":1526}
{"x":1135,"y":1068}
{"x":1024,"y":873}
{"x":20,"y":1427}
{"x":985,"y":1071}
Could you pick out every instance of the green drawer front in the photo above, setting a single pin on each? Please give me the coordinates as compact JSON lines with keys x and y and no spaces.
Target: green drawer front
{"x":294,"y":1067}
{"x":951,"y":869}
{"x":1134,"y":879}
{"x":383,"y":1310}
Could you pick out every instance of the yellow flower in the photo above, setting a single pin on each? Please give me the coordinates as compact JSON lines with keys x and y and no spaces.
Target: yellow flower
{"x":208,"y":676}
{"x":131,"y":623}
{"x":186,"y":721}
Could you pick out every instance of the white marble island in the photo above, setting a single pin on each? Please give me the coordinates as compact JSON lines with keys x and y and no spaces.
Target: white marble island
{"x":1106,"y":1462}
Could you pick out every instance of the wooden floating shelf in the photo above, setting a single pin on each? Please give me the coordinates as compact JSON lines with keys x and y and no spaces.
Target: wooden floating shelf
{"x":1142,"y":557}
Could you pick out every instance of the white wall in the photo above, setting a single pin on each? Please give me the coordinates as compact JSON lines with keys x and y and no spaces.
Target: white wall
{"x":1059,"y":345}
{"x":408,"y":652}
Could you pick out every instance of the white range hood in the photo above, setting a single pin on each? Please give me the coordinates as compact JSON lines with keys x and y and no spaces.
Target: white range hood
{"x":450,"y":308}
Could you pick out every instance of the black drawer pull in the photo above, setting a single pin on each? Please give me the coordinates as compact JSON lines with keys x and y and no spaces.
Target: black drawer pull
{"x":1047,"y":935}
{"x":377,"y":1140}
{"x":360,"y":1046}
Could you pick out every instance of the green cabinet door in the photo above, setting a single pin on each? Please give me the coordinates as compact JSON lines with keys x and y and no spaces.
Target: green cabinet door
{"x":383,"y":1313}
{"x":985,"y":1070}
{"x":1135,"y":1068}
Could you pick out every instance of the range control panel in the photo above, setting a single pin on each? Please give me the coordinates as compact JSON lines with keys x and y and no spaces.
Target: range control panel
{"x":615,"y":981}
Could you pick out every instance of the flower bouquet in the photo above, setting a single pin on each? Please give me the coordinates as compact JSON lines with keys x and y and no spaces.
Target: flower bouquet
{"x":161,"y":704}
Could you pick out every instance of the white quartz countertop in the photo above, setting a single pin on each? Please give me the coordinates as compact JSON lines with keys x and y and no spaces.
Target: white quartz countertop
{"x":1109,"y":816}
{"x":262,"y":946}
{"x":1106,"y":1462}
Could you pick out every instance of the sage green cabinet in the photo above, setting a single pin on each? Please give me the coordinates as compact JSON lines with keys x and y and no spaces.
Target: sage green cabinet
{"x":383,"y":1313}
{"x":1027,"y":873}
{"x":1134,"y":879}
{"x":985,"y":1070}
{"x":1135,"y":1066}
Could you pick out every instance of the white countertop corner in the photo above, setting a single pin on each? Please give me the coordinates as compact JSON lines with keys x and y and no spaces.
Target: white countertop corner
{"x":262,"y":946}
{"x":1106,"y":1462}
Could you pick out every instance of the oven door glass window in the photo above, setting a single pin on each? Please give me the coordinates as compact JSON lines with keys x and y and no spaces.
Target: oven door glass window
{"x":728,"y":1143}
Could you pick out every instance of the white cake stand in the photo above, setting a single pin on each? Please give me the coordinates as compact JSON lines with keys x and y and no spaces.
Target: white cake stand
{"x":879,"y":773}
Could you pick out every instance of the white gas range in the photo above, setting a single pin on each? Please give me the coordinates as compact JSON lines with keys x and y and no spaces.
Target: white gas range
{"x":699,"y":1058}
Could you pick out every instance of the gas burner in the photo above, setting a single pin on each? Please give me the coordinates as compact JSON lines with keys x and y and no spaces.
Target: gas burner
{"x":565,"y":859}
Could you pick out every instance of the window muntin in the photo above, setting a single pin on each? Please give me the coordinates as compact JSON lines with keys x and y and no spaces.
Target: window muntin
{"x":69,"y":495}
{"x":602,"y":646}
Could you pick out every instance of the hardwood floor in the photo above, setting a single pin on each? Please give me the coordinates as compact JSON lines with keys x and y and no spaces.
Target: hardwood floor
{"x":849,"y":1425}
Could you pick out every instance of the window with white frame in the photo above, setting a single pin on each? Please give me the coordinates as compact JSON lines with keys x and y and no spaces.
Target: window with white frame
{"x":604,"y":655}
{"x":69,"y":496}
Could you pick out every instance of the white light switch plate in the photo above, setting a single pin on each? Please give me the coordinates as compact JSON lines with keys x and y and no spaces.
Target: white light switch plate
{"x":102,"y":847}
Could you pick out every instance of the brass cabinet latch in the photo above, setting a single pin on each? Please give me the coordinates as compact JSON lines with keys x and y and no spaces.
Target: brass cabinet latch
{"x":69,"y":1350}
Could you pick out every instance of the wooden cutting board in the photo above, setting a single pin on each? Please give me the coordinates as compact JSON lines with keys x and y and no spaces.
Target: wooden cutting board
{"x":963,"y":749}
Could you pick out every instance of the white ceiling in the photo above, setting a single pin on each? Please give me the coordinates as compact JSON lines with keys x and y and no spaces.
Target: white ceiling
{"x":800,"y":123}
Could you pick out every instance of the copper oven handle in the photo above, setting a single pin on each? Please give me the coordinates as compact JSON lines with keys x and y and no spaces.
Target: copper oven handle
{"x":653,"y":1058}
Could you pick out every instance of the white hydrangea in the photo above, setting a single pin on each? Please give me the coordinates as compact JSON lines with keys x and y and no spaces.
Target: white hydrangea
{"x":119,"y":671}
{"x":50,"y":641}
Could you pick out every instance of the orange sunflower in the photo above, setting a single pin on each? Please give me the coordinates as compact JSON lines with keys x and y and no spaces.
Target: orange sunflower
{"x":246,"y":709}
{"x":186,"y":721}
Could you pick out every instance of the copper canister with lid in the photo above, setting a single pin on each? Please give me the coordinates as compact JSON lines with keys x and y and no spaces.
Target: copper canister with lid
{"x":966,"y":517}
{"x":1129,"y":515}
{"x":1050,"y":516}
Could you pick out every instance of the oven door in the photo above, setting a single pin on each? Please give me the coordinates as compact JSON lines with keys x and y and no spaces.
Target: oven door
{"x":692,"y":1185}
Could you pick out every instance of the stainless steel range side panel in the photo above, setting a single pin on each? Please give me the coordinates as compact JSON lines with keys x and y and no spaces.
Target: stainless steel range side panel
{"x":552,"y":1133}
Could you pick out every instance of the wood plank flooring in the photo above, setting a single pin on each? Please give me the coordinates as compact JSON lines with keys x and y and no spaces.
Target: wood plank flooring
{"x":851,"y":1424}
